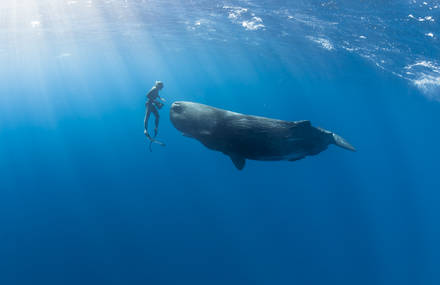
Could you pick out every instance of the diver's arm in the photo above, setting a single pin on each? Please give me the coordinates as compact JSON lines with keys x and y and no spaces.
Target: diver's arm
{"x":149,"y":93}
{"x":160,"y":98}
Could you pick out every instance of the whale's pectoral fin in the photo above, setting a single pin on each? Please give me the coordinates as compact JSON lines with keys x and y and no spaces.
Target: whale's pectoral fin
{"x":238,"y":161}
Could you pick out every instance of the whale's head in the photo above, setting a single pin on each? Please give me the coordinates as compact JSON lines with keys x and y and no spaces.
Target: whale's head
{"x":193,"y":119}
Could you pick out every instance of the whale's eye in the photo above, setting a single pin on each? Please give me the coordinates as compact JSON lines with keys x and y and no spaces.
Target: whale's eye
{"x":177,"y":108}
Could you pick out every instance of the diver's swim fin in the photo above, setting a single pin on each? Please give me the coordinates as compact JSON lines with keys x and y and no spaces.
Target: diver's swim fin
{"x":154,"y":141}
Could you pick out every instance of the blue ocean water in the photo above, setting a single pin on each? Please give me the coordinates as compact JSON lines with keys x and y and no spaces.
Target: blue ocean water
{"x":83,"y":201}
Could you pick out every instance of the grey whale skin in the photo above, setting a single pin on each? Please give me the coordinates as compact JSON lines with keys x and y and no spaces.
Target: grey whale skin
{"x":244,"y":137}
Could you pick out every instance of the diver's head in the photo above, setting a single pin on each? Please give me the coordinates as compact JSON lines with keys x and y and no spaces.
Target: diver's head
{"x":159,"y":84}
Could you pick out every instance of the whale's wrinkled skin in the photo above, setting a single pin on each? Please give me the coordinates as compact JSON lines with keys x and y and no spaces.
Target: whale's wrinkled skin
{"x":244,"y":137}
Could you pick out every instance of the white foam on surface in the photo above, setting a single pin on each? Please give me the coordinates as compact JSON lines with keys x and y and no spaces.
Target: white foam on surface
{"x":245,"y":18}
{"x":426,"y":76}
{"x":235,"y":12}
{"x":424,"y":63}
{"x":324,"y":43}
{"x":254,"y":24}
{"x":422,"y":19}
{"x":430,"y":85}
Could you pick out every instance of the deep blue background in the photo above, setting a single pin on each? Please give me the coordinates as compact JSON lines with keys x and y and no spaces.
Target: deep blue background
{"x":83,"y":200}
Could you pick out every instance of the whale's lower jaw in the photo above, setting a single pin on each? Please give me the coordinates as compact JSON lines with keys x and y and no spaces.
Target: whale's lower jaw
{"x":289,"y":157}
{"x":240,"y":161}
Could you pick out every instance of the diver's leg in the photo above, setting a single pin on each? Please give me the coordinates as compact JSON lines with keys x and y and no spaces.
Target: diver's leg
{"x":147,"y":117}
{"x":156,"y":121}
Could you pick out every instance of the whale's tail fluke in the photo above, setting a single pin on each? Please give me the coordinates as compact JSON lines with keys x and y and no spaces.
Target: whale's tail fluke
{"x":339,"y":141}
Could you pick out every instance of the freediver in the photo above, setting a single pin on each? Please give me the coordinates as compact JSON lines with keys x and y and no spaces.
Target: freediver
{"x":152,"y":106}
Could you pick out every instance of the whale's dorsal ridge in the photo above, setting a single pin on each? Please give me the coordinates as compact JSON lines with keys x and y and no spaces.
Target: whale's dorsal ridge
{"x":303,"y":123}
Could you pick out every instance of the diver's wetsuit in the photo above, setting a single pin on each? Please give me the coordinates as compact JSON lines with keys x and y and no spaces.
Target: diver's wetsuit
{"x":152,"y":106}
